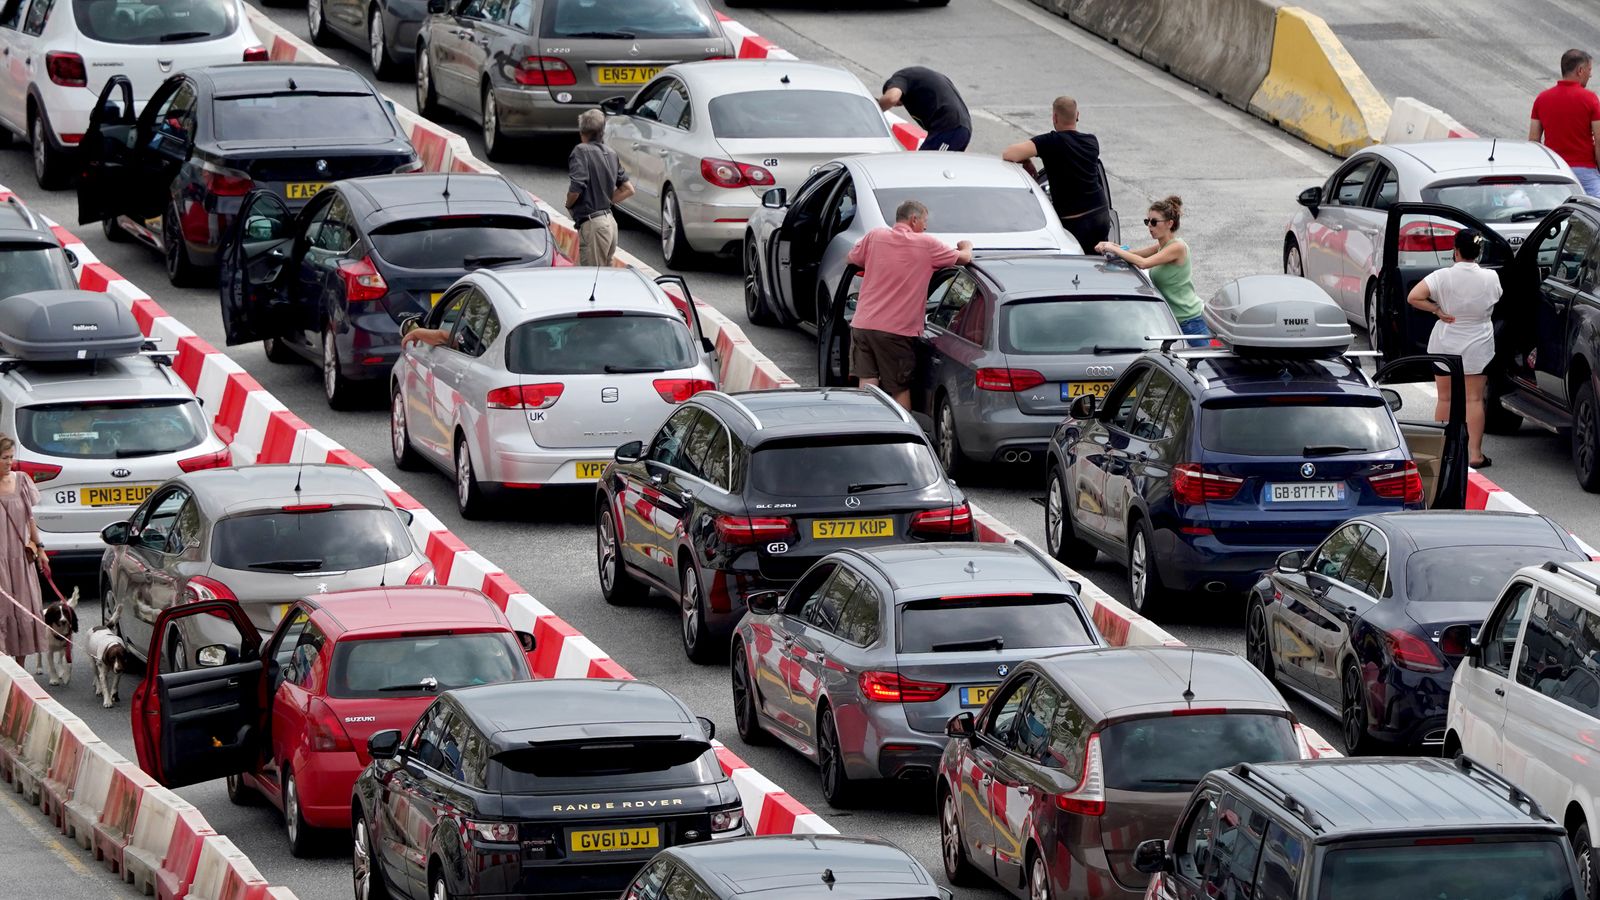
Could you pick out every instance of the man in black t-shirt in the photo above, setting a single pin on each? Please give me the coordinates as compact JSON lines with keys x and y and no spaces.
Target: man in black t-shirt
{"x":1072,"y":161}
{"x":932,"y":100}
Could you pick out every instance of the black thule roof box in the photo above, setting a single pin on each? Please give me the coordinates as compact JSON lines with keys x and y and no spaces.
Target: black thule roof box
{"x":1278,"y":316}
{"x":67,"y":326}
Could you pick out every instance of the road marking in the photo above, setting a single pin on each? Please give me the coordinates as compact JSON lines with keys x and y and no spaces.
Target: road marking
{"x":24,"y":817}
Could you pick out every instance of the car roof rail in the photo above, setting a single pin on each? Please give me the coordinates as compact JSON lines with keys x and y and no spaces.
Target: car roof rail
{"x":1038,"y":555}
{"x":27,"y":213}
{"x":886,"y":400}
{"x":1288,"y":801}
{"x":1517,"y":796}
{"x":1572,"y":571}
{"x":738,"y":404}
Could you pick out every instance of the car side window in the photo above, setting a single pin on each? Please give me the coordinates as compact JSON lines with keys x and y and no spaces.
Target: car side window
{"x":1549,"y":238}
{"x":707,"y":439}
{"x":1176,"y":417}
{"x":1193,"y":844}
{"x":288,"y":636}
{"x":471,"y":9}
{"x":425,"y":740}
{"x":479,"y":325}
{"x":11,"y":14}
{"x":307,"y":650}
{"x":177,"y":116}
{"x":1575,"y":251}
{"x":1148,"y":420}
{"x":443,"y":316}
{"x":1368,"y":568}
{"x":38,"y":14}
{"x":806,"y":591}
{"x":667,"y":446}
{"x":683,"y":886}
{"x":1000,"y":716}
{"x":647,"y":104}
{"x":158,"y":531}
{"x":1349,"y":185}
{"x":453,"y":747}
{"x":650,"y":882}
{"x":1283,"y":857}
{"x":960,"y":292}
{"x":1500,"y":635}
{"x":496,"y":11}
{"x":189,"y":524}
{"x":861,"y":621}
{"x":1330,"y":558}
{"x":824,"y":613}
{"x":1235,"y":847}
{"x":713,"y":463}
{"x":842,"y":210}
{"x":1388,"y":189}
{"x":1125,"y":395}
{"x":972,"y":323}
{"x":333,"y":234}
{"x":1033,"y":729}
{"x":1555,"y":658}
{"x":675,"y":105}
{"x":521,"y":16}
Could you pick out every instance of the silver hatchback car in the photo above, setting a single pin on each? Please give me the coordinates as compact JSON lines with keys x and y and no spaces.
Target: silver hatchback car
{"x":863,"y":662}
{"x":545,"y":372}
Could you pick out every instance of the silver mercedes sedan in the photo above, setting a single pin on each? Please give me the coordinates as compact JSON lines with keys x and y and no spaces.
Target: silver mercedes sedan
{"x":704,"y":140}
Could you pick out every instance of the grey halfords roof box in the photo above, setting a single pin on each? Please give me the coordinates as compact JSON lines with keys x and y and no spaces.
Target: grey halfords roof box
{"x":1278,"y":316}
{"x":67,"y":326}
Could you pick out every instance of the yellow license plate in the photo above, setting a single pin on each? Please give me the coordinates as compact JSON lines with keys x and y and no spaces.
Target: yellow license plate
{"x":591,"y":469}
{"x":852,"y":528}
{"x":977,"y":696}
{"x":115,"y":494}
{"x":625,"y":74}
{"x":1081,"y":388}
{"x":302,"y":190}
{"x":434,"y":300}
{"x":612,"y":839}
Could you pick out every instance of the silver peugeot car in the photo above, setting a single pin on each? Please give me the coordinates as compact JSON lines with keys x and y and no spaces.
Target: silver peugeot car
{"x":860,"y":665}
{"x":705,"y":140}
{"x":543,"y":374}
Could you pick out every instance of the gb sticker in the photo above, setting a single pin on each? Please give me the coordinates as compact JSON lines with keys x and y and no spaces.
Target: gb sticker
{"x":777,"y":547}
{"x":770,"y":162}
{"x":536,"y":415}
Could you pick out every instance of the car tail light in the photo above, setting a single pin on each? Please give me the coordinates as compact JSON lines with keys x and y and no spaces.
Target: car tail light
{"x":677,"y":390}
{"x":1193,"y":485}
{"x":492,"y":832}
{"x":219,"y":460}
{"x":754,"y":529}
{"x":526,"y":396}
{"x":327,"y":732}
{"x":727,"y":820}
{"x":37,"y":471}
{"x":256,"y":54}
{"x":1412,"y":652}
{"x":362,"y":282}
{"x":1426,"y":237}
{"x":545,"y":71}
{"x":414,"y":165}
{"x":200,"y":589}
{"x":224,"y":182}
{"x":1089,"y":798}
{"x":422,"y":575}
{"x":66,"y":69}
{"x":730,"y":174}
{"x":890,"y":687}
{"x":1404,"y":485}
{"x":945,"y":520}
{"x":1010,"y":380}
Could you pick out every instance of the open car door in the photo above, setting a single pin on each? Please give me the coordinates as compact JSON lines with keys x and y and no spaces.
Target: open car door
{"x":197,"y":713}
{"x":1419,"y":238}
{"x":254,"y":256}
{"x":1114,"y":232}
{"x":106,"y":152}
{"x":691,"y":314}
{"x":833,"y":333}
{"x":1438,"y":448}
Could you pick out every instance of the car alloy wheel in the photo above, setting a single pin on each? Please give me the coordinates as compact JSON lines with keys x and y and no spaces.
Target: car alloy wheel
{"x":378,"y":46}
{"x":691,"y":609}
{"x":1138,"y":572}
{"x":46,"y":167}
{"x":466,"y":483}
{"x":755,"y":301}
{"x":946,"y":439}
{"x":606,"y":552}
{"x":368,"y":880}
{"x":427,"y":102}
{"x":314,"y":21}
{"x":1292,"y":265}
{"x":745,"y":717}
{"x":1054,"y":512}
{"x":239,"y":793}
{"x":957,"y":870}
{"x":440,"y":892}
{"x":669,"y":227}
{"x":405,"y":458}
{"x":334,"y":383}
{"x":491,"y":124}
{"x":1586,"y":437}
{"x":1583,"y":849}
{"x":1257,"y":650}
{"x":1038,"y":879}
{"x":837,"y":788}
{"x":1369,"y":318}
{"x":1353,"y":714}
{"x":180,"y":271}
{"x":302,"y":837}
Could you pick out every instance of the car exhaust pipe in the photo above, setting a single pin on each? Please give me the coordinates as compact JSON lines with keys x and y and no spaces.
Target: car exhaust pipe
{"x":1009,"y":456}
{"x":1024,"y":456}
{"x":1216,"y":587}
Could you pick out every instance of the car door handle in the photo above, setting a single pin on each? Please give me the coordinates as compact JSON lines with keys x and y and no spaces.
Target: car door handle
{"x":662,"y":152}
{"x":987,"y":779}
{"x":637,"y":145}
{"x":685,"y":496}
{"x":1335,"y":227}
{"x":1370,"y":232}
{"x":656,"y":479}
{"x":1024,"y":790}
{"x":1499,"y":692}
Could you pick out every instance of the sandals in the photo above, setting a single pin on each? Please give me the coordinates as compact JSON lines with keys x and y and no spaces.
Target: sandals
{"x":1486,"y":463}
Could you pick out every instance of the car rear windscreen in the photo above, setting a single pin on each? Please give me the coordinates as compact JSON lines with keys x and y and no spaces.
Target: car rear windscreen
{"x":288,"y":118}
{"x":968,"y":210}
{"x":461,"y":242}
{"x":1287,"y":425}
{"x":34,"y":267}
{"x":1450,"y":868}
{"x":1469,"y":573}
{"x":120,"y":429}
{"x":796,"y":114}
{"x":618,"y":764}
{"x":961,"y":623}
{"x":600,"y":344}
{"x":1074,"y":325}
{"x":323,"y":540}
{"x":626,"y":20}
{"x":839,"y":467}
{"x":1170,"y":753}
{"x":155,"y":21}
{"x":404,"y":666}
{"x":1517,"y":201}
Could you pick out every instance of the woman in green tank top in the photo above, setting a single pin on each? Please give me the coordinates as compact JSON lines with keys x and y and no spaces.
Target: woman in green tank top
{"x":1169,"y":264}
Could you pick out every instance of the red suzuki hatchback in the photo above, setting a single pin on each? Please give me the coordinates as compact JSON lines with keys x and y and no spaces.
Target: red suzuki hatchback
{"x":289,"y":719}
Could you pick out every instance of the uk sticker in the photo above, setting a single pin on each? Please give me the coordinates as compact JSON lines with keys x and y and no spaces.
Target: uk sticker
{"x":536,"y":415}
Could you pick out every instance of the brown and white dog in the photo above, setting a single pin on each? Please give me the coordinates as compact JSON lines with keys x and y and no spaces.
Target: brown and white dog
{"x":61,"y":619}
{"x":107,"y":653}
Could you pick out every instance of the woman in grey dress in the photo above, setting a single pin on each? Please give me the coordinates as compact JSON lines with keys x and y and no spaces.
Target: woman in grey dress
{"x":20,"y":632}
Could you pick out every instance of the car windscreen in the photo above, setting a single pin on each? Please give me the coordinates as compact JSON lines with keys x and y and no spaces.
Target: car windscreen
{"x":795,"y":114}
{"x":288,"y":118}
{"x":1293,"y":425}
{"x":312,"y":538}
{"x":1450,"y":868}
{"x":1049,"y":325}
{"x":461,"y":242}
{"x":830,"y":467}
{"x":968,"y":210}
{"x":1170,"y":753}
{"x":422,"y":665}
{"x":119,"y":429}
{"x":155,"y":21}
{"x":627,"y":20}
{"x":1468,"y":573}
{"x":1503,"y":201}
{"x":34,"y":267}
{"x":599,"y":344}
{"x":962,"y":622}
{"x":603,"y":764}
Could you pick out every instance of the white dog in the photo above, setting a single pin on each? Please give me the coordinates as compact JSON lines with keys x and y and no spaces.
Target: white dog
{"x":107,"y":652}
{"x":61,"y":619}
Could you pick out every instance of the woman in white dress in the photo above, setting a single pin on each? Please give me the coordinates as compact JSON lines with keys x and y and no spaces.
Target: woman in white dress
{"x":1462,"y":296}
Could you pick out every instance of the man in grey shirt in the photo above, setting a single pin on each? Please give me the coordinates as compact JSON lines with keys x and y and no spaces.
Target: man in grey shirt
{"x":597,"y":182}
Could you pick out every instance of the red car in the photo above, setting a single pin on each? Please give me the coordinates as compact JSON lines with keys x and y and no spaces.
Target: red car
{"x":290,"y":720}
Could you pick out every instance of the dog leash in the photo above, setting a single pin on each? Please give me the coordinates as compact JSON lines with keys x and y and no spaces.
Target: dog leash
{"x":30,"y":614}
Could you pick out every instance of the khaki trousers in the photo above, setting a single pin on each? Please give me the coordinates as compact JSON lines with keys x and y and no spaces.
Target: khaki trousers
{"x":597,"y":240}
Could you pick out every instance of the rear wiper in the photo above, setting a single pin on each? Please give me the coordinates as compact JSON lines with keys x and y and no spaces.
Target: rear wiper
{"x":429,"y":684}
{"x":1528,"y":215}
{"x":486,"y":262}
{"x":1100,"y":349}
{"x":860,"y":486}
{"x":984,"y":643}
{"x":631,"y":370}
{"x":289,"y":565}
{"x":183,"y":36}
{"x":1330,"y":450}
{"x":619,"y":35}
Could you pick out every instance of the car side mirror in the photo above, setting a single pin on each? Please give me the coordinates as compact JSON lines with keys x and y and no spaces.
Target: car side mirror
{"x":526,"y":639}
{"x":763,"y":603}
{"x":708,"y":726}
{"x":1456,"y":642}
{"x":1291,"y":561}
{"x":631,"y":452}
{"x":775,"y":198}
{"x":438,"y":7}
{"x":1393,"y":398}
{"x":72,"y":258}
{"x":406,"y":516}
{"x":1150,"y":857}
{"x":384,"y":744}
{"x":614,"y":106}
{"x":1310,"y":198}
{"x":1085,"y":407}
{"x":115,"y":534}
{"x":212,"y":656}
{"x":410,"y":323}
{"x":960,"y":726}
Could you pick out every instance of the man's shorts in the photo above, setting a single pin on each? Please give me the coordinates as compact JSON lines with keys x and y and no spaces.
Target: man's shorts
{"x":890,"y":358}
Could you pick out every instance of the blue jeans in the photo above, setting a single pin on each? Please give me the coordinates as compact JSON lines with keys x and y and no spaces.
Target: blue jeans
{"x":1589,"y":178}
{"x":1196,"y":325}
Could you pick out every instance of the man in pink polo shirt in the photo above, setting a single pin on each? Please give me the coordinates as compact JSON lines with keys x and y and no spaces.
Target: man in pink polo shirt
{"x":898,"y":264}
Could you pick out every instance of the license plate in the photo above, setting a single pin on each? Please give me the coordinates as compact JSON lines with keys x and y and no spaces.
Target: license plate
{"x":977,"y":696}
{"x":279,"y":611}
{"x":302,"y":190}
{"x":1309,"y":492}
{"x":589,"y":470}
{"x":852,"y":528}
{"x":625,"y":74}
{"x":433,"y":300}
{"x":115,"y":494}
{"x":1072,"y":390}
{"x":612,"y":839}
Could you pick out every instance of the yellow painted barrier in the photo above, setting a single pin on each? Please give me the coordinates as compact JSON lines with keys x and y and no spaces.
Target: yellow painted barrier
{"x":1314,"y":89}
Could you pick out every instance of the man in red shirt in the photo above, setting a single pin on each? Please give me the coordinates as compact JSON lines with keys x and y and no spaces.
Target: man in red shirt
{"x":1567,"y":117}
{"x":898,"y":262}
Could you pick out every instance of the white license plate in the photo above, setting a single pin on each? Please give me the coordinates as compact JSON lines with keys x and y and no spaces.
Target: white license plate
{"x":1306,"y":492}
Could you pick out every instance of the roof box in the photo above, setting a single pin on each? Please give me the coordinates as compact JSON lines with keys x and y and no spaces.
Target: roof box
{"x":1278,"y":316}
{"x":67,"y":326}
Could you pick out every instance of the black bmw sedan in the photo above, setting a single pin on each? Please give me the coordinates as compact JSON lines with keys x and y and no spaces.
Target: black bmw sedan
{"x":174,"y":176}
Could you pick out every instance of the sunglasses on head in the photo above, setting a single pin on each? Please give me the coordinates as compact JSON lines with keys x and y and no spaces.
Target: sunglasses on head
{"x":1154,"y":222}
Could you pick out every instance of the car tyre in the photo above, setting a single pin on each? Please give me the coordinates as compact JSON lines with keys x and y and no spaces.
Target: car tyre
{"x":384,"y":68}
{"x":698,"y":643}
{"x":317,"y":24}
{"x":1257,"y":641}
{"x":1060,"y":535}
{"x":303,"y":838}
{"x":757,"y":308}
{"x":439,"y":891}
{"x":1586,"y":437}
{"x":241,"y":794}
{"x":1146,"y":594}
{"x":946,"y":440}
{"x":366,"y":869}
{"x":340,"y":390}
{"x":957,"y":869}
{"x":470,"y":498}
{"x":406,"y":459}
{"x":1038,"y":878}
{"x":617,"y":586}
{"x":110,"y":228}
{"x":1588,"y":865}
{"x":1358,"y":741}
{"x":427,"y":95}
{"x":495,"y":143}
{"x":1369,"y":317}
{"x":50,"y":166}
{"x":675,"y":247}
{"x":278,"y":350}
{"x":838,"y":788}
{"x":746,"y":719}
{"x":175,"y":251}
{"x":1293,"y":263}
